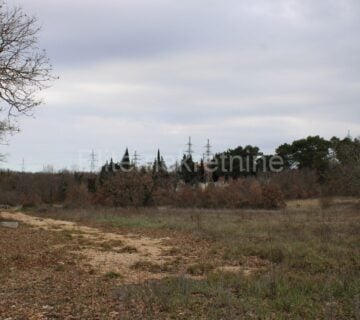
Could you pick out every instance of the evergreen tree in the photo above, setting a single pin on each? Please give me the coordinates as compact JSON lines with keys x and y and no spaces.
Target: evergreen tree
{"x":159,"y":165}
{"x":202,"y":172}
{"x":188,"y":170}
{"x":111,"y":167}
{"x":266,"y":164}
{"x":125,"y":164}
{"x":235,"y":163}
{"x":346,"y":151}
{"x":312,"y":153}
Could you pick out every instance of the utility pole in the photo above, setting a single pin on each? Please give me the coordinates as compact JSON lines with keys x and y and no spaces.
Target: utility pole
{"x":93,"y":161}
{"x":189,"y":149}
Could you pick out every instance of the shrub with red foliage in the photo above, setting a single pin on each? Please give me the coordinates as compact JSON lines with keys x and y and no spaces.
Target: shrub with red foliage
{"x":77,"y":196}
{"x":186,"y":196}
{"x":142,"y":188}
{"x":126,"y":189}
{"x":241,"y":193}
{"x":30,"y":200}
{"x":272,"y":196}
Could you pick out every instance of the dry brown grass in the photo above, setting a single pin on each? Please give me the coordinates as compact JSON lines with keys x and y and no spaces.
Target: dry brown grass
{"x":251,"y":264}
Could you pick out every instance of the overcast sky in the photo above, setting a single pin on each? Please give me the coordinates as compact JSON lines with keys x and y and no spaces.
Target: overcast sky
{"x":149,"y":73}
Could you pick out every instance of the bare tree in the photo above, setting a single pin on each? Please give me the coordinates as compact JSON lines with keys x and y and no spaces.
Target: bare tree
{"x":24,"y":68}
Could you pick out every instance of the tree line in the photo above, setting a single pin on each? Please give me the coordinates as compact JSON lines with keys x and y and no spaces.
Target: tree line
{"x":313,"y":167}
{"x":313,"y":153}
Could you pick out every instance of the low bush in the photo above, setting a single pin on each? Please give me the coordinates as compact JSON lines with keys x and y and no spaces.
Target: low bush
{"x":77,"y":196}
{"x":141,"y":188}
{"x":297,"y":184}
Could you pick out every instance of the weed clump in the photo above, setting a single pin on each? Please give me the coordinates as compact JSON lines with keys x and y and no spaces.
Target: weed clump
{"x":146,"y":266}
{"x":128,"y":249}
{"x":112,"y":275}
{"x":200,"y":269}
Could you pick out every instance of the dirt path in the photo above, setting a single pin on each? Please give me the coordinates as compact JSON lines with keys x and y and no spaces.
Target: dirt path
{"x":134,"y":258}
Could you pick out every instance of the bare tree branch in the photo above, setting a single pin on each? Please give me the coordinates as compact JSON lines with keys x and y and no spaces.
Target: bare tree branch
{"x":24,"y":68}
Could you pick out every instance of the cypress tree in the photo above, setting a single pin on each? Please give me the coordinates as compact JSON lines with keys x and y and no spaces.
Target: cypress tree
{"x":201,"y":173}
{"x":125,"y":163}
{"x":188,"y":171}
{"x":111,"y":166}
{"x":159,"y":165}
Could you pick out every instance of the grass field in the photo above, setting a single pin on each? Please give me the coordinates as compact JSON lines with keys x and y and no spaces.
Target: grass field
{"x":302,"y":262}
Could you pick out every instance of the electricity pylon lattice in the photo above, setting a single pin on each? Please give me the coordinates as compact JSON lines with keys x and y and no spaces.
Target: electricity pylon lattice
{"x":136,"y":159}
{"x":207,"y":160}
{"x":208,"y":152}
{"x":93,"y":161}
{"x":189,"y":150}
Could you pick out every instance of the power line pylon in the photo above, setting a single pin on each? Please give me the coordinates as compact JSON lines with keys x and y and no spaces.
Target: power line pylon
{"x":207,"y":160}
{"x":136,"y":159}
{"x":93,"y":161}
{"x":189,"y":150}
{"x":208,"y":152}
{"x":349,"y":135}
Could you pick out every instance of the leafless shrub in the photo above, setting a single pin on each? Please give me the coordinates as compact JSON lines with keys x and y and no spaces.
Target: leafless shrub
{"x":297,"y":184}
{"x":30,"y":200}
{"x":273,"y":197}
{"x":343,"y":180}
{"x":125,"y":189}
{"x":77,"y":196}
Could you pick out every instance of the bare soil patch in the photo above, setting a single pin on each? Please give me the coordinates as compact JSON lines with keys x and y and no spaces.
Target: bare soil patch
{"x":97,"y":250}
{"x":57,"y":269}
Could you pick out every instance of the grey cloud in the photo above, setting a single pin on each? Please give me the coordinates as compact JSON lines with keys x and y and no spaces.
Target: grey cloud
{"x":88,"y":30}
{"x":238,"y":71}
